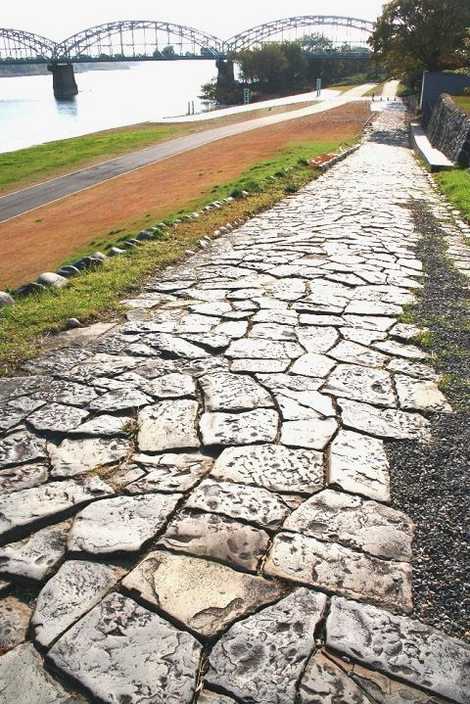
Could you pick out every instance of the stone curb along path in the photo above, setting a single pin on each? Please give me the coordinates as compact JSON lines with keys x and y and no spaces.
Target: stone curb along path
{"x":195,"y":506}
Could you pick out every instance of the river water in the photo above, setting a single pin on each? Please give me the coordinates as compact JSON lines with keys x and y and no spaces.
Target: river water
{"x":150,"y":91}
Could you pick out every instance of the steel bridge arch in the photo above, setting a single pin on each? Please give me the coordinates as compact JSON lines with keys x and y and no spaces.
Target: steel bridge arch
{"x":37,"y":45}
{"x":78,"y":44}
{"x":244,"y":40}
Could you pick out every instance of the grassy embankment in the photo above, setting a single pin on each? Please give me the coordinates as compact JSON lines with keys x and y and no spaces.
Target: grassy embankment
{"x":456,"y":186}
{"x":96,"y":294}
{"x":463,"y":101}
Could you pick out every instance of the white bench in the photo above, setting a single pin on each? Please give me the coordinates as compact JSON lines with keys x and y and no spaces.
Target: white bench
{"x":436,"y":160}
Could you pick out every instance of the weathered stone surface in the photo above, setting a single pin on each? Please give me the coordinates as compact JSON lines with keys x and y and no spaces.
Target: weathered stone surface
{"x":56,"y":418}
{"x":170,"y":472}
{"x":23,"y":679}
{"x":420,"y":395}
{"x":398,"y":349}
{"x":78,"y":456}
{"x":361,"y":384}
{"x":262,"y":366}
{"x":74,"y":590}
{"x":361,"y":336}
{"x":247,"y":503}
{"x":224,"y":429}
{"x":352,"y":353}
{"x":255,"y":348}
{"x":385,"y":423}
{"x":29,"y":506}
{"x":273,"y":467}
{"x":120,"y":400}
{"x":371,"y":308}
{"x":405,"y":332}
{"x":311,"y":434}
{"x":340,"y":570}
{"x":172,"y":386}
{"x":232,"y":392}
{"x":317,"y":340}
{"x":358,"y":464}
{"x":169,"y":425}
{"x":21,"y":447}
{"x":121,"y":524}
{"x":414,"y":369}
{"x":261,"y":658}
{"x":215,"y":536}
{"x":14,"y":622}
{"x":36,"y":556}
{"x":273,"y":331}
{"x":312,"y":364}
{"x":177,"y":347}
{"x":203,"y":596}
{"x":362,"y":525}
{"x":122,"y":652}
{"x":104,"y":426}
{"x":207,"y":697}
{"x":291,"y":385}
{"x":401,"y":647}
{"x":15,"y":411}
{"x":23,"y":477}
{"x":324,"y":682}
{"x":377,"y":323}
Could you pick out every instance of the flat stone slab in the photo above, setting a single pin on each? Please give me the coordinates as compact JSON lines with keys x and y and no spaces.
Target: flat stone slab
{"x":232,"y":392}
{"x":26,"y":508}
{"x":218,"y":537}
{"x":317,"y":339}
{"x":122,"y":652}
{"x":207,"y":697}
{"x":261,"y":658}
{"x":21,"y":447}
{"x":358,"y":464}
{"x":172,"y":386}
{"x":353,"y":353}
{"x":312,"y":434}
{"x":361,"y":384}
{"x":257,"y":348}
{"x":383,"y":422}
{"x":338,"y":569}
{"x":14,"y":412}
{"x":78,"y":456}
{"x":36,"y":556}
{"x":225,"y":429}
{"x":420,"y":395}
{"x":201,"y":595}
{"x":169,"y":425}
{"x":262,"y":366}
{"x":170,"y":472}
{"x":397,"y":349}
{"x":23,"y":477}
{"x":14,"y":623}
{"x":122,"y":399}
{"x":121,"y":524}
{"x":71,"y":593}
{"x":274,"y":467}
{"x":311,"y":364}
{"x":247,"y":503}
{"x":104,"y":426}
{"x":323,"y":681}
{"x":351,"y":521}
{"x":401,"y":647}
{"x":56,"y":418}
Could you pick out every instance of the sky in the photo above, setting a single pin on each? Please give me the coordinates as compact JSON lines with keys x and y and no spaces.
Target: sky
{"x":58,"y":19}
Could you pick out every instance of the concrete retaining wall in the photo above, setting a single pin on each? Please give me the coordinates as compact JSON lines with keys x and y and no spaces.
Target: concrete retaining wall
{"x":449,"y":131}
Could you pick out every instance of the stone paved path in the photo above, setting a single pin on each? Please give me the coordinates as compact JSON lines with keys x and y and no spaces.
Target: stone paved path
{"x":201,"y":497}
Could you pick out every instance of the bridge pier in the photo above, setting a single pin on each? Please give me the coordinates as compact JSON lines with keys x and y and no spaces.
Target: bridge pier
{"x":63,"y":77}
{"x":226,"y":86}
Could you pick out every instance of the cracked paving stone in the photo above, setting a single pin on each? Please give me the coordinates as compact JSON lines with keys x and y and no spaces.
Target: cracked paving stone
{"x":398,"y":349}
{"x":304,"y":406}
{"x":358,"y":464}
{"x":311,"y":364}
{"x":77,"y":456}
{"x":386,"y":423}
{"x":37,"y":556}
{"x":207,"y":697}
{"x":121,"y":652}
{"x":362,"y":337}
{"x":23,"y":477}
{"x":56,"y":418}
{"x":218,"y":537}
{"x":257,"y":348}
{"x":400,"y":647}
{"x":317,"y":340}
{"x":176,"y":346}
{"x":368,"y":322}
{"x":120,"y":524}
{"x":29,"y":506}
{"x":414,"y":369}
{"x":120,"y":400}
{"x":352,"y":353}
{"x":260,"y":425}
{"x":21,"y":447}
{"x":261,"y":366}
{"x":14,"y":623}
{"x":232,"y":392}
{"x":273,"y":467}
{"x":201,"y":595}
{"x":325,"y":683}
{"x":351,"y":521}
{"x":361,"y":384}
{"x":24,"y":680}
{"x":68,"y":393}
{"x":312,"y":434}
{"x":246,"y":503}
{"x":320,"y":320}
{"x":71,"y":593}
{"x":404,"y":332}
{"x":419,"y":395}
{"x":370,"y":308}
{"x":170,"y":472}
{"x":168,"y":425}
{"x":104,"y":426}
{"x":172,"y":386}
{"x":273,"y":331}
{"x":289,"y":384}
{"x":340,"y":570}
{"x":14,"y":412}
{"x":261,"y":658}
{"x":278,"y":317}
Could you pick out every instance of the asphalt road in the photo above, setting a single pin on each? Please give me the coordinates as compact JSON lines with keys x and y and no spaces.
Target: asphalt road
{"x":14,"y":204}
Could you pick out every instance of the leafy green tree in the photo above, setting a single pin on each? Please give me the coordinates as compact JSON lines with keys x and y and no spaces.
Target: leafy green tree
{"x":316,"y":43}
{"x":265,"y":65}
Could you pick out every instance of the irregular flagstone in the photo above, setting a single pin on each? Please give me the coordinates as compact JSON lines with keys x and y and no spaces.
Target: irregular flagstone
{"x":24,"y":680}
{"x":170,"y":472}
{"x":218,"y":537}
{"x":27,"y":507}
{"x":56,"y":418}
{"x":414,"y":369}
{"x":248,"y":348}
{"x":289,"y":384}
{"x":278,"y":317}
{"x":361,"y":384}
{"x":201,"y":595}
{"x":176,"y":346}
{"x":232,"y":392}
{"x":104,"y":426}
{"x":36,"y":556}
{"x":172,"y":386}
{"x":122,"y":652}
{"x":369,"y":322}
{"x":261,"y":658}
{"x":14,"y":412}
{"x":169,"y":425}
{"x":260,"y":425}
{"x":399,"y":350}
{"x":338,"y":569}
{"x":232,"y":329}
{"x":239,"y":501}
{"x":400,"y":647}
{"x":323,"y":681}
{"x":404,"y":332}
{"x":68,"y":392}
{"x":361,"y":336}
{"x":261,"y":366}
{"x":370,"y":308}
{"x":317,"y":340}
{"x":313,"y":365}
{"x":23,"y":477}
{"x":419,"y":395}
{"x":358,"y":464}
{"x":363,"y":525}
{"x":207,"y":697}
{"x":21,"y":447}
{"x":273,"y":467}
{"x":304,"y":405}
{"x":77,"y":456}
{"x":14,"y":623}
{"x":312,"y":434}
{"x":71,"y":593}
{"x":273,"y":331}
{"x":120,"y":400}
{"x":352,"y":353}
{"x":386,"y":423}
{"x":121,"y":524}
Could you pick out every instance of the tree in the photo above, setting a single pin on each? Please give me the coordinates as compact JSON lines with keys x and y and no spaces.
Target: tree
{"x":264,"y":65}
{"x":416,"y":35}
{"x":168,"y":52}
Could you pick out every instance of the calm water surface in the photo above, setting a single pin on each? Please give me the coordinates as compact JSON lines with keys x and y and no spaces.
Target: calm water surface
{"x":29,"y":113}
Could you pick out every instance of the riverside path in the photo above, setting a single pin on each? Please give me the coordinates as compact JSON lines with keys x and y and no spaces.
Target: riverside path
{"x":196,"y":505}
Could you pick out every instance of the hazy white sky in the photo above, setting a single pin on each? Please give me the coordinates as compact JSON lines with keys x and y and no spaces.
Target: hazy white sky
{"x":58,"y":19}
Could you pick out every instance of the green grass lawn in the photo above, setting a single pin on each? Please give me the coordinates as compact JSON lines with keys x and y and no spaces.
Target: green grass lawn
{"x":463,"y":101}
{"x":456,"y":186}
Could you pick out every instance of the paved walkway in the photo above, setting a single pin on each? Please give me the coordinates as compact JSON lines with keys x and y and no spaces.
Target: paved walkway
{"x":27,"y":199}
{"x":236,"y":543}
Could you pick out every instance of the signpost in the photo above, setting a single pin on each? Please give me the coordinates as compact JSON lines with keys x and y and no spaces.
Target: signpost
{"x":318,"y":87}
